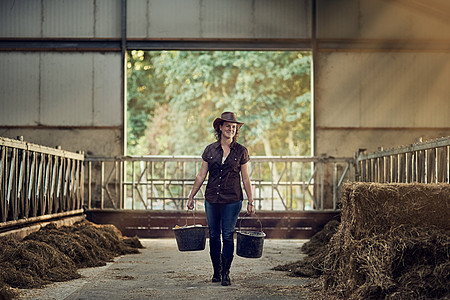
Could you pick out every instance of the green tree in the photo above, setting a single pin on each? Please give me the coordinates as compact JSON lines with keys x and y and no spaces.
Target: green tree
{"x":175,"y":95}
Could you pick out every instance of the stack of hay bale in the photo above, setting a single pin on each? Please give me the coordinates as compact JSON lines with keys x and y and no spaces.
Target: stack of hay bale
{"x":393,"y":243}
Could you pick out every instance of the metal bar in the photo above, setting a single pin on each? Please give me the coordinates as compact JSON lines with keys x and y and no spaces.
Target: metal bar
{"x":39,"y":218}
{"x":102,"y":184}
{"x":132,"y":187}
{"x":335,"y":186}
{"x":121,"y":190}
{"x":2,"y":189}
{"x":303,"y":186}
{"x":26,"y":202}
{"x":190,"y":158}
{"x":38,"y":148}
{"x":290,"y":185}
{"x":90,"y":184}
{"x":28,"y":179}
{"x":448,"y":164}
{"x":322,"y":179}
{"x":421,"y":162}
{"x":59,"y":45}
{"x":116,"y":182}
{"x":66,"y":185}
{"x":45,"y":187}
{"x":442,"y":142}
{"x":10,"y":179}
{"x":165,"y":185}
{"x":274,"y":193}
{"x":151,"y":186}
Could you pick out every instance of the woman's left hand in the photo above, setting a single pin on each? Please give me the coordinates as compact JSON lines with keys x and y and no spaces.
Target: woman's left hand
{"x":250,"y":209}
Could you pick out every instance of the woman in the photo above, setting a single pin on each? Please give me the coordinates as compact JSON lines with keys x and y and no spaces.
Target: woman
{"x":225,"y":160}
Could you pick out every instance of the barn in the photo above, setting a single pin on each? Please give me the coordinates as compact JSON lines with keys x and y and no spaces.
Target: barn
{"x":380,"y":115}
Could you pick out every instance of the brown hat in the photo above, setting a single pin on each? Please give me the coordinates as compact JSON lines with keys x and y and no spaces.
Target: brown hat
{"x":226,"y":117}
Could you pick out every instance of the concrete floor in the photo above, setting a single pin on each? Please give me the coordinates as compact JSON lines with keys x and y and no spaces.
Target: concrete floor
{"x":160,"y":271}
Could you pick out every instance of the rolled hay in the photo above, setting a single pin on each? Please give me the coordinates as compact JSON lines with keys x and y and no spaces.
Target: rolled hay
{"x":393,"y":243}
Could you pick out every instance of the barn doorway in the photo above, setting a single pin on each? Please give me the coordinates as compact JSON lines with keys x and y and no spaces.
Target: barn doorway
{"x":173,"y":97}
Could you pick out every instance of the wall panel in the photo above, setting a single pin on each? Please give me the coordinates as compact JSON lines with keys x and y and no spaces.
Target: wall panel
{"x":20,"y":18}
{"x":219,"y":19}
{"x":338,"y":19}
{"x":282,"y":19}
{"x":67,"y":18}
{"x":402,"y":19}
{"x":107,"y":106}
{"x":138,"y":23}
{"x":233,"y":18}
{"x":174,"y":18}
{"x":383,"y":90}
{"x":19,"y":89}
{"x":347,"y":141}
{"x":66,"y":89}
{"x":381,"y":19}
{"x":108,"y":18}
{"x":60,"y":89}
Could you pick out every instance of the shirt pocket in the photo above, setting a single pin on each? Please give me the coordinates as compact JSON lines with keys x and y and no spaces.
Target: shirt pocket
{"x":235,"y":166}
{"x":213,"y":163}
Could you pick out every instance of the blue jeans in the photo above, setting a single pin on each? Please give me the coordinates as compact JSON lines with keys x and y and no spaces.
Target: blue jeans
{"x":222,"y":220}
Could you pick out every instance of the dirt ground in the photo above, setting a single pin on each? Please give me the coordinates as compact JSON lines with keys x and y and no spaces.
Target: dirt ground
{"x":160,"y":271}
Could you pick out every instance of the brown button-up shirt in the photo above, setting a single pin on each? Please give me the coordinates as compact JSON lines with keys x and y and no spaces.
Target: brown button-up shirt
{"x":224,"y":181}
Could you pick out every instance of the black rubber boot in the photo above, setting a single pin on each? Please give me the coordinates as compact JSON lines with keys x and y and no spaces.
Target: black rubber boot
{"x":226,"y":264}
{"x":217,"y":266}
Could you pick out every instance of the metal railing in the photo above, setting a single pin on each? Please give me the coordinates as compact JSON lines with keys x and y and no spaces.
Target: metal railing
{"x":164,"y":182}
{"x":38,"y":181}
{"x":424,"y":162}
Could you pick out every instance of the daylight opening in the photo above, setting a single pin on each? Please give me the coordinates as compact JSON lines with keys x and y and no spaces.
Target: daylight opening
{"x":174,"y":96}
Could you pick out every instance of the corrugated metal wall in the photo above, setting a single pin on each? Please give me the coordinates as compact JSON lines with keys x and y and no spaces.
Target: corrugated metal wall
{"x":382,"y":72}
{"x":156,"y":18}
{"x":380,"y":19}
{"x":384,"y":90}
{"x":381,"y":67}
{"x":219,"y":19}
{"x":60,"y":89}
{"x":60,"y":18}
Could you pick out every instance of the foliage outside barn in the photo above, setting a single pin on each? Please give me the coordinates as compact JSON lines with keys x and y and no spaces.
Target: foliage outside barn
{"x":174,"y":96}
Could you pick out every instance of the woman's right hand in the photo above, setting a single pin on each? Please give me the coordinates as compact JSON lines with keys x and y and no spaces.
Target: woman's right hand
{"x":190,"y":204}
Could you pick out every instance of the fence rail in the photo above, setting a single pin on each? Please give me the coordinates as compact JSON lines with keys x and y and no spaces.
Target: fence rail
{"x":38,"y":181}
{"x":164,"y":182}
{"x":424,"y":162}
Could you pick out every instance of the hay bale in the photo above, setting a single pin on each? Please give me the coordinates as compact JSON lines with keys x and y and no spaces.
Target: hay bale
{"x":393,"y":243}
{"x":372,"y":208}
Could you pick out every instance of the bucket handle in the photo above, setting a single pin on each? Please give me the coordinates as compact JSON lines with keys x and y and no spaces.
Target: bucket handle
{"x":193,"y":213}
{"x":246,"y":214}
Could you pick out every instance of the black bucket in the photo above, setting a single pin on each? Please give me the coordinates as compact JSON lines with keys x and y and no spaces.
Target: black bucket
{"x":191,"y":238}
{"x":250,"y":243}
